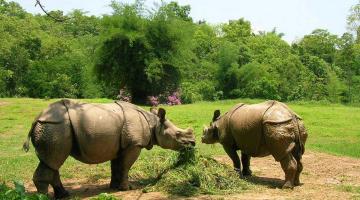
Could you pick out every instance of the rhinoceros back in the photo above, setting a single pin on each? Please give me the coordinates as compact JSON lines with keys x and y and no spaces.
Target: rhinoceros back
{"x":97,"y":130}
{"x":54,"y":113}
{"x":245,"y":124}
{"x":266,"y":128}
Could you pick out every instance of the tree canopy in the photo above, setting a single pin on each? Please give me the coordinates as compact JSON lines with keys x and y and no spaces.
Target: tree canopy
{"x":163,"y":51}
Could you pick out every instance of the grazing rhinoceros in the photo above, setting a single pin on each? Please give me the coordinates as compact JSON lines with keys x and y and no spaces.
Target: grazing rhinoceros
{"x":268,"y":128}
{"x":95,"y":133}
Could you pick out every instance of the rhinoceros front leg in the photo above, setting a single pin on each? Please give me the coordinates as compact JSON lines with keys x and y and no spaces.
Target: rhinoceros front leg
{"x":245,"y":161}
{"x":120,"y":168}
{"x":231,"y":152}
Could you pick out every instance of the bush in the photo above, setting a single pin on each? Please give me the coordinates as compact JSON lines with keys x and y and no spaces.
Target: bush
{"x":202,"y":90}
{"x":189,"y":93}
{"x":18,"y":193}
{"x":153,"y":100}
{"x":124,"y":95}
{"x":173,"y":99}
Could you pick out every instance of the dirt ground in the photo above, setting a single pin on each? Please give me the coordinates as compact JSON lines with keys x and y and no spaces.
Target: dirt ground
{"x":324,"y":177}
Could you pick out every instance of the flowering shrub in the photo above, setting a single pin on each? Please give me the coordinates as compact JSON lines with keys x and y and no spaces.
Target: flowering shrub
{"x":153,"y":100}
{"x":124,"y":95}
{"x":173,"y":99}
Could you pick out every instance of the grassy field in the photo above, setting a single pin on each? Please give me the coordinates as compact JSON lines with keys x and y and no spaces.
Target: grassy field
{"x":332,"y":128}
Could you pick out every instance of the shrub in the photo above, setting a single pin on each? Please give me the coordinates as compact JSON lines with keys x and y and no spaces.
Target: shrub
{"x":18,"y":193}
{"x":153,"y":100}
{"x":189,"y":93}
{"x":202,"y":90}
{"x":174,"y":99}
{"x":124,"y":95}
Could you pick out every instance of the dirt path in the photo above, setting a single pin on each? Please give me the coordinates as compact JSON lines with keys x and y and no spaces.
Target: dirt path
{"x":324,"y":177}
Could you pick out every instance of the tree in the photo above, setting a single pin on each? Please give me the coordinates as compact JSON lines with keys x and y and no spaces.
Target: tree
{"x":237,"y":30}
{"x":353,"y":20}
{"x":256,"y":82}
{"x":319,"y":43}
{"x":78,"y":24}
{"x":173,"y":9}
{"x":143,"y":54}
{"x":228,"y":57}
{"x":11,"y":9}
{"x":348,"y":60}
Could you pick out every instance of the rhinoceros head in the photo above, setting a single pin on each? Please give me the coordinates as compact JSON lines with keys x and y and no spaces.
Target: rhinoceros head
{"x":211,"y":133}
{"x":168,"y":136}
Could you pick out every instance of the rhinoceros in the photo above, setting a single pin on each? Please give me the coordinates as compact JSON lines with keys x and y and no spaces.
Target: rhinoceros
{"x":268,"y":128}
{"x":96,"y":133}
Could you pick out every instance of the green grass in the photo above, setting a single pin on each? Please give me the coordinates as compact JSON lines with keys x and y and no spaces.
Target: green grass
{"x":352,"y":189}
{"x":18,"y":192}
{"x":188,"y":173}
{"x":332,"y":128}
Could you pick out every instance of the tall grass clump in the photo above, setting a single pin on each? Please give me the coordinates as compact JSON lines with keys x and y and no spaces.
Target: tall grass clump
{"x":187,"y":174}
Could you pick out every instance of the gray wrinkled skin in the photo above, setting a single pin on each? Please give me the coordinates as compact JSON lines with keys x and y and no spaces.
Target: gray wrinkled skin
{"x":96,"y":133}
{"x":268,"y":128}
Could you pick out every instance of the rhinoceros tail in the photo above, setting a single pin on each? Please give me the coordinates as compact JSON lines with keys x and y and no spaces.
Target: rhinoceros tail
{"x":299,"y":146}
{"x":26,"y":145}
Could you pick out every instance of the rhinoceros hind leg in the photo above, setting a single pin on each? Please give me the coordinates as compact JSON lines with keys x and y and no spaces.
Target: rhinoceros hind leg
{"x":297,"y":175}
{"x":59,"y":190}
{"x":289,"y":165}
{"x":299,"y":169}
{"x":44,"y":176}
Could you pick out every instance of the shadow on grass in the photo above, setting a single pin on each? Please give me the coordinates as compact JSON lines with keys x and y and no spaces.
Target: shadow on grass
{"x":265,"y":181}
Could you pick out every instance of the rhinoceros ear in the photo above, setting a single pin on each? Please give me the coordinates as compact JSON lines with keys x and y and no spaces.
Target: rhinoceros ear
{"x":216,"y":115}
{"x":161,"y":114}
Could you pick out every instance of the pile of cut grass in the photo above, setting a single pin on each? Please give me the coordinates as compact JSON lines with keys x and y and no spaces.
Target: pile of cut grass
{"x":187,"y":174}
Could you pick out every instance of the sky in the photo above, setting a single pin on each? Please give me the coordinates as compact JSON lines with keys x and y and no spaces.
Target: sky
{"x":294,"y":18}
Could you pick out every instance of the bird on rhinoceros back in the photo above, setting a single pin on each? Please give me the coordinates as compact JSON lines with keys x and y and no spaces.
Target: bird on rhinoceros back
{"x":268,"y":128}
{"x":96,"y":133}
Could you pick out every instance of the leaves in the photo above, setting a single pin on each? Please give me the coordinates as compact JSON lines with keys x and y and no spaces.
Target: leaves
{"x":159,"y":50}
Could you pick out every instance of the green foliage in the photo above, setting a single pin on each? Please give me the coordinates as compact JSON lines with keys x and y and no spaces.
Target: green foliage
{"x":18,"y":193}
{"x":104,"y":196}
{"x":153,"y":51}
{"x":237,"y":30}
{"x":320,"y":43}
{"x":42,"y":58}
{"x":192,"y":92}
{"x":183,"y":174}
{"x":256,"y":82}
{"x":144,"y":52}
